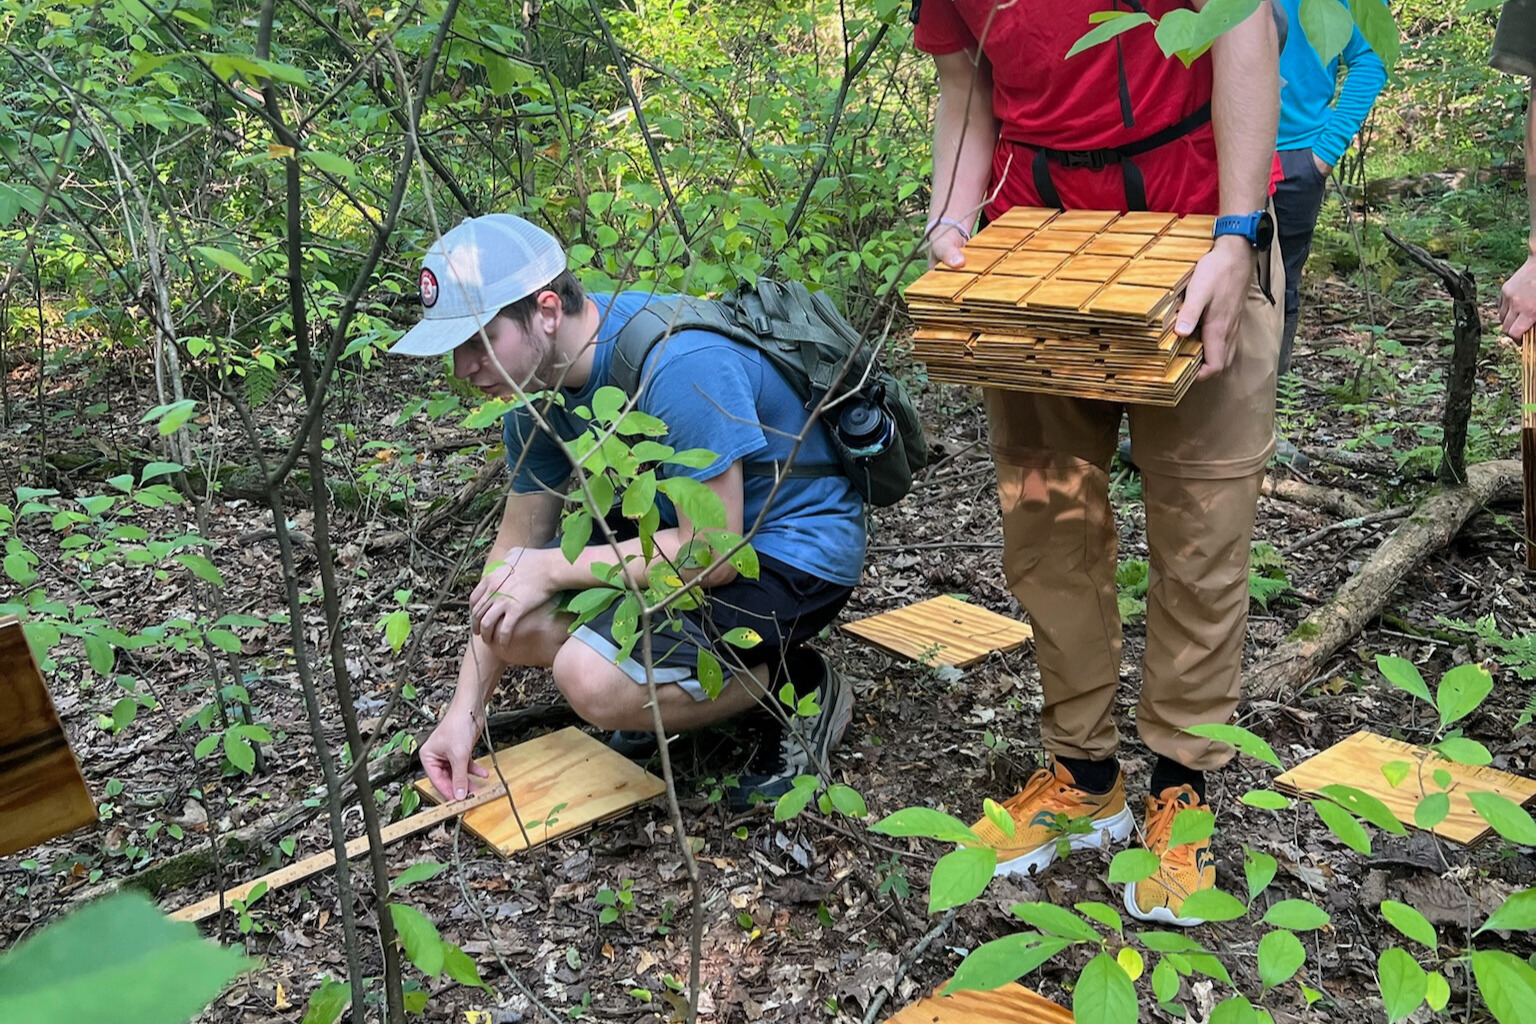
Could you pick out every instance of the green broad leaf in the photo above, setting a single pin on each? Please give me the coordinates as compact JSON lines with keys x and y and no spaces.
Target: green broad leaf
{"x":330,"y":163}
{"x":1134,"y":865}
{"x":1265,"y":799}
{"x":224,"y":640}
{"x":1410,"y":922}
{"x":1103,"y":913}
{"x":1281,"y":955}
{"x":460,"y":966}
{"x":123,"y":713}
{"x":607,"y":403}
{"x":224,"y":260}
{"x":1395,"y":772}
{"x":651,"y":451}
{"x":1464,"y":687}
{"x":419,"y":938}
{"x":1463,"y":751}
{"x":1363,"y":805}
{"x":1297,"y":915}
{"x":960,"y":876}
{"x":170,"y":418}
{"x":397,"y":628}
{"x":848,"y":801}
{"x":711,"y":676}
{"x":1506,"y":983}
{"x":693,"y":458}
{"x":925,"y":823}
{"x":117,"y":959}
{"x":1403,"y":983}
{"x":575,"y":532}
{"x":792,"y":803}
{"x":239,"y":751}
{"x":1169,"y":942}
{"x":1328,"y":27}
{"x":996,"y":963}
{"x":640,"y":495}
{"x":643,"y":424}
{"x":99,"y":653}
{"x":1236,"y":736}
{"x":19,"y":568}
{"x":1432,"y":810}
{"x":746,"y":563}
{"x":1213,"y":905}
{"x":1379,"y":29}
{"x":415,"y":1000}
{"x":998,"y":815}
{"x":1343,"y":825}
{"x":1191,"y":826}
{"x":742,"y":637}
{"x":1442,"y":778}
{"x":155,"y":470}
{"x":1437,"y":991}
{"x":1104,"y":993}
{"x":1057,"y":921}
{"x":206,"y":745}
{"x":1518,"y":913}
{"x":327,"y":1002}
{"x":1233,"y":1010}
{"x":1404,"y":675}
{"x":1165,"y":982}
{"x":1259,"y":869}
{"x":1209,"y":966}
{"x":1108,"y":28}
{"x":1505,"y":817}
{"x":422,"y":872}
{"x":201,"y":567}
{"x":701,"y":505}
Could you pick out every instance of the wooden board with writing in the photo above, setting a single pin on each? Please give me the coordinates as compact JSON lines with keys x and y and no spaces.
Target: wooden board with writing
{"x":1011,"y":1004}
{"x":942,"y":631}
{"x":562,"y":783}
{"x":42,"y":793}
{"x":1357,"y":762}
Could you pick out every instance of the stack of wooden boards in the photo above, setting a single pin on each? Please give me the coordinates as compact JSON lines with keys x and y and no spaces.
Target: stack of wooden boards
{"x":1076,"y":302}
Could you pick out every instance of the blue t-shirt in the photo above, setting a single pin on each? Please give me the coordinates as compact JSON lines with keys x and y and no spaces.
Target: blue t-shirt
{"x":1310,"y":116}
{"x":723,"y":396}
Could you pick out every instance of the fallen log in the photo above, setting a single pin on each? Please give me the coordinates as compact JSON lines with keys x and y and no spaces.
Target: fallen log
{"x":1431,"y":527}
{"x":1329,"y":499}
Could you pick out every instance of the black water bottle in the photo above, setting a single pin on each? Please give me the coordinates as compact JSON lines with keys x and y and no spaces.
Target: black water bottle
{"x":864,"y":428}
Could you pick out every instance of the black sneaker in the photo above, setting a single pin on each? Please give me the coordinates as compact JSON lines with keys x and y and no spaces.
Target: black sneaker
{"x":788,"y":751}
{"x":637,"y":745}
{"x":1287,"y":454}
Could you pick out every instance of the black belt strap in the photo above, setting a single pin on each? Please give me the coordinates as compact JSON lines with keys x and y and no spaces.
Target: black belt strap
{"x":1098,"y":159}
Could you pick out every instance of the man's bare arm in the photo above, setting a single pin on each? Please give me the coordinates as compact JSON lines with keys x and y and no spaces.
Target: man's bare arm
{"x":964,"y":134}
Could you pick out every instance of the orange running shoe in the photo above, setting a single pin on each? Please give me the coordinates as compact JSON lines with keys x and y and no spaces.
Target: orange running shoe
{"x":1184,"y":870}
{"x":1043,"y":814}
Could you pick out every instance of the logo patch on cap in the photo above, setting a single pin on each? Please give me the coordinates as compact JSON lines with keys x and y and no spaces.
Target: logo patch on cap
{"x":428,"y":288}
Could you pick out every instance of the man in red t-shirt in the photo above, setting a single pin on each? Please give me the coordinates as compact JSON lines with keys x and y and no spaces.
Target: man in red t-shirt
{"x":1119,"y":126}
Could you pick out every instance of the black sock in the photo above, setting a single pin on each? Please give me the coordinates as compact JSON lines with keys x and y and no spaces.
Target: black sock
{"x":1096,"y":777}
{"x":803,"y":669}
{"x":1169,"y":774}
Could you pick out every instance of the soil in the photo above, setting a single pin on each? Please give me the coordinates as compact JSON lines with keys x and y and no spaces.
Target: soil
{"x":814,"y":919}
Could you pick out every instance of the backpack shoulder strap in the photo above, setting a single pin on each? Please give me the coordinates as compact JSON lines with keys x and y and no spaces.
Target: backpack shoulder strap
{"x":659,"y":319}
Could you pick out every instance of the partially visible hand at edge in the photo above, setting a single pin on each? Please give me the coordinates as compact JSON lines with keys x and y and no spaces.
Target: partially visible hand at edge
{"x":1517,"y":301}
{"x":1213,"y":302}
{"x":945,"y":246}
{"x":447,"y":754}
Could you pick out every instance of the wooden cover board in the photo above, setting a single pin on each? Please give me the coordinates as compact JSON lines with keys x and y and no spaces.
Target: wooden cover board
{"x":1528,"y":441}
{"x":1357,"y":762}
{"x":42,"y":793}
{"x":942,"y":631}
{"x":568,"y":770}
{"x":1011,"y":1004}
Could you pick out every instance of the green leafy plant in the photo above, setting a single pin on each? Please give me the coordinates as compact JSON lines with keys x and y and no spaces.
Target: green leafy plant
{"x":615,"y":903}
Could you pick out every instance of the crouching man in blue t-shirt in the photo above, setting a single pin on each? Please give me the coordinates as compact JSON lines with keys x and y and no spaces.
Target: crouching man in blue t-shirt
{"x":497,"y":294}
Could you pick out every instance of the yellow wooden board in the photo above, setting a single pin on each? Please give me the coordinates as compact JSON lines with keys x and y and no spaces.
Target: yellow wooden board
{"x":566,"y":781}
{"x":1357,"y":762}
{"x":1024,"y":217}
{"x":42,"y":793}
{"x":942,"y":631}
{"x":1011,"y":1004}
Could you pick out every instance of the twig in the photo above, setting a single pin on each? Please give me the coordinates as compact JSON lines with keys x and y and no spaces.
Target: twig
{"x":877,"y":1003}
{"x":1346,"y":524}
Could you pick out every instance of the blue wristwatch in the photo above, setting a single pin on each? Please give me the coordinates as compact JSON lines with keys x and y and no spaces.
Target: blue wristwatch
{"x":1257,"y":227}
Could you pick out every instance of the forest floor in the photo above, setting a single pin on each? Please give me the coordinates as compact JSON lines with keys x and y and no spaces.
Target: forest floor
{"x":808,"y":920}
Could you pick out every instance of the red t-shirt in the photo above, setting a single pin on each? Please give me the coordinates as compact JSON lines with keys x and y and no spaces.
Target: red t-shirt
{"x":1041,"y":97}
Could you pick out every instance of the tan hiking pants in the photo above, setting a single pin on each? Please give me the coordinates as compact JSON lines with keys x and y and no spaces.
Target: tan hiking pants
{"x":1201,"y":463}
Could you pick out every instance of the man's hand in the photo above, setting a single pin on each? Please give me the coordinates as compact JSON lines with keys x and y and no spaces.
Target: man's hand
{"x":517,"y":587}
{"x":446,"y":754}
{"x":1517,"y":301}
{"x":1323,"y":169}
{"x":1214,"y":301}
{"x":944,"y":246}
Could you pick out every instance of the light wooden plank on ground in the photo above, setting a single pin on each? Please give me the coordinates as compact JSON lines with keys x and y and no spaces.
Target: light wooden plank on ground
{"x":566,"y":779}
{"x":42,"y":793}
{"x":942,"y":631}
{"x":1357,"y":762}
{"x":1011,"y":1004}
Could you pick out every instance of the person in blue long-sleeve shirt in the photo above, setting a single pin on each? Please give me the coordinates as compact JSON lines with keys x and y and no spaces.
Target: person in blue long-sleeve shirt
{"x":1315,"y":130}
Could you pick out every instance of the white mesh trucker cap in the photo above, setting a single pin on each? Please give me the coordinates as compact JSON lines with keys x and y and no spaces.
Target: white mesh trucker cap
{"x":481,"y":266}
